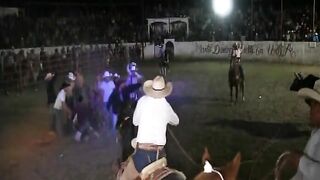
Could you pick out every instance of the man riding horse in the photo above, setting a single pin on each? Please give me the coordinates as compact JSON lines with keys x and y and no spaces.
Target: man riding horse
{"x":152,"y":114}
{"x":306,"y":163}
{"x":236,"y":57}
{"x":236,"y":75}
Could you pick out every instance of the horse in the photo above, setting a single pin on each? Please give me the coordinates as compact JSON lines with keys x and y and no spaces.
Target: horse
{"x":127,"y":130}
{"x":227,"y":172}
{"x":236,"y":79}
{"x":164,"y":63}
{"x":159,"y":170}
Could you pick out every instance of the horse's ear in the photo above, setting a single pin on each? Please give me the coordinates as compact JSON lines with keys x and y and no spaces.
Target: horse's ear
{"x":206,"y":155}
{"x":300,"y":75}
{"x":232,"y":168}
{"x":296,"y":75}
{"x":237,"y":159}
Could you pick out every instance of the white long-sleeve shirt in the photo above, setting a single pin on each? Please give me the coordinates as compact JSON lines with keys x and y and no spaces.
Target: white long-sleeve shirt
{"x":309,"y":164}
{"x":107,"y":88}
{"x":152,"y":116}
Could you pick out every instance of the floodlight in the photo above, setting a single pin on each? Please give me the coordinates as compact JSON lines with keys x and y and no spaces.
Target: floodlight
{"x":222,"y":7}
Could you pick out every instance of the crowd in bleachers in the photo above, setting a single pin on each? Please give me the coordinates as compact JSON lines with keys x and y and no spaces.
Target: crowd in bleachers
{"x":108,"y":26}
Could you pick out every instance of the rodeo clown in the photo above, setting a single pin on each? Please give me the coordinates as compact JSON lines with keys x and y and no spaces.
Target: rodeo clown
{"x":151,"y":115}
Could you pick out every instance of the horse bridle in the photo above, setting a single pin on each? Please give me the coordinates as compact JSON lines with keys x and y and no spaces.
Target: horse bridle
{"x":217,"y":172}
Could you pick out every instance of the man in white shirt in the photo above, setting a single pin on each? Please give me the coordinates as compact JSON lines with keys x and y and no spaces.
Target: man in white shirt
{"x":151,"y":115}
{"x":307,"y":163}
{"x":60,"y":108}
{"x":237,"y":49}
{"x":107,"y":86}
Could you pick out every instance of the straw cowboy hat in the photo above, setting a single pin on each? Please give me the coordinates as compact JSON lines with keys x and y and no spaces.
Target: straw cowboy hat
{"x":49,"y":76}
{"x":157,"y":88}
{"x":311,"y":93}
{"x":106,"y":74}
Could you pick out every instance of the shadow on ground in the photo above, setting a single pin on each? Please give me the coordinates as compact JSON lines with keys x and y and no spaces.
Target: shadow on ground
{"x":182,"y":100}
{"x":263,"y":129}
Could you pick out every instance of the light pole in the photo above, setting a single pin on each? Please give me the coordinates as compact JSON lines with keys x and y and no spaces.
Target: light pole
{"x":251,"y":20}
{"x":314,"y":15}
{"x":281,"y":21}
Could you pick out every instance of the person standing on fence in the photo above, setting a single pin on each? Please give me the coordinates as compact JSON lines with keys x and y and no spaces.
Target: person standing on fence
{"x":10,"y":71}
{"x":19,"y":67}
{"x":56,"y":62}
{"x":35,"y":67}
{"x":2,"y":61}
{"x":44,"y":61}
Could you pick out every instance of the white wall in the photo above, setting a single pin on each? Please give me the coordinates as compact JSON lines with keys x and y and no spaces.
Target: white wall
{"x":291,"y":52}
{"x":276,"y":51}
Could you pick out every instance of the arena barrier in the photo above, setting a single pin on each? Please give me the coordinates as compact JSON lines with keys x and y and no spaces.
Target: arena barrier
{"x":275,"y":51}
{"x":21,"y":74}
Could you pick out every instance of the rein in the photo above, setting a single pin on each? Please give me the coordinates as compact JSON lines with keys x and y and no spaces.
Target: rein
{"x":185,"y":153}
{"x":217,"y":172}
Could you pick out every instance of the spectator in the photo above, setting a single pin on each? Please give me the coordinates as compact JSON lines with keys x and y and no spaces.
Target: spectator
{"x":60,"y":108}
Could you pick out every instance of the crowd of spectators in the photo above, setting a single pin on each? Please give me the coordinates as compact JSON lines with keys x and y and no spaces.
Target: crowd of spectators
{"x":26,"y":67}
{"x":120,"y":24}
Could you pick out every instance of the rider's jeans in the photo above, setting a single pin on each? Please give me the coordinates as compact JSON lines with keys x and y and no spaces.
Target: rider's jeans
{"x":142,"y":158}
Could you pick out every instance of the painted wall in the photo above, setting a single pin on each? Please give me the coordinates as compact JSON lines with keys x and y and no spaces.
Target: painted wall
{"x":291,"y":52}
{"x":276,"y":51}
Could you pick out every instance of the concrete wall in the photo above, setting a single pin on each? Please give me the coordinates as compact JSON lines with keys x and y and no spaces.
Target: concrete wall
{"x":276,"y":51}
{"x":291,"y":52}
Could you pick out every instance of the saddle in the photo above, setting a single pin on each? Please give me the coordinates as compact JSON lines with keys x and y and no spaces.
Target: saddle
{"x":156,"y":170}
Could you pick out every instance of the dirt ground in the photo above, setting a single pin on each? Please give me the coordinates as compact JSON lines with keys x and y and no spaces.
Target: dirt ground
{"x":260,"y":128}
{"x":23,"y":158}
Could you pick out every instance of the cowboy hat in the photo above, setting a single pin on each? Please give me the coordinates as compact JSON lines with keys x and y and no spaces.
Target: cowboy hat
{"x":157,"y":88}
{"x":309,"y":93}
{"x":106,"y":74}
{"x":71,"y":76}
{"x":132,"y":66}
{"x":49,"y":76}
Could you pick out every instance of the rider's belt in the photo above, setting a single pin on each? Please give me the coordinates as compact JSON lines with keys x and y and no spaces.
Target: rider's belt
{"x":149,"y":147}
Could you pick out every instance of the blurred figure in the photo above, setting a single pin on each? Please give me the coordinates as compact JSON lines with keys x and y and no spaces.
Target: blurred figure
{"x":107,"y":86}
{"x":133,"y":78}
{"x":82,"y":120}
{"x":60,"y":107}
{"x":10,"y":71}
{"x":35,"y":67}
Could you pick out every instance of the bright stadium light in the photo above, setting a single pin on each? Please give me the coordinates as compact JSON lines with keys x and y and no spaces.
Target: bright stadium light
{"x":222,"y":7}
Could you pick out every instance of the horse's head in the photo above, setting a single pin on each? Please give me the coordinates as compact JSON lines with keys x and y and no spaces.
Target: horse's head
{"x":228,"y":172}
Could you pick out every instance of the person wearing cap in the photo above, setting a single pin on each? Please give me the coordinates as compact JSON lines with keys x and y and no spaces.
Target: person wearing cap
{"x":60,"y":107}
{"x":50,"y":79}
{"x":133,"y":78}
{"x":151,"y":115}
{"x":307,"y":163}
{"x":107,"y":86}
